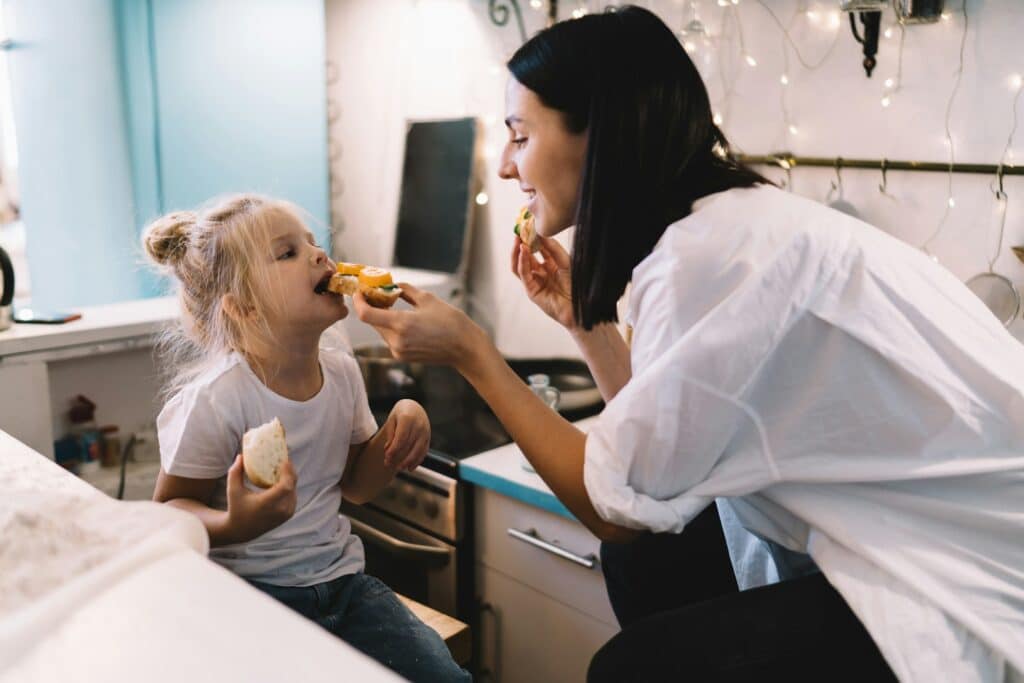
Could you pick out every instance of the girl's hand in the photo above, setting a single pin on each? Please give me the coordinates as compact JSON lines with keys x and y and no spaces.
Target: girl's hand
{"x":548,"y":284}
{"x":254,"y":513}
{"x":410,"y":438}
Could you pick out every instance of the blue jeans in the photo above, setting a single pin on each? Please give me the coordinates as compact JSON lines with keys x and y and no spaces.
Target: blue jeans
{"x":366,"y":614}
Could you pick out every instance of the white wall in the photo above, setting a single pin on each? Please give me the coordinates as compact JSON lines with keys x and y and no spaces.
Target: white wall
{"x":408,"y":59}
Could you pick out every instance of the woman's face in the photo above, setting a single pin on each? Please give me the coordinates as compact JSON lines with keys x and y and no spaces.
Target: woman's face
{"x":544,"y":156}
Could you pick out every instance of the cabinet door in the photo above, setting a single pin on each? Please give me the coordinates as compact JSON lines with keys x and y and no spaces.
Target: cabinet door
{"x":528,"y":637}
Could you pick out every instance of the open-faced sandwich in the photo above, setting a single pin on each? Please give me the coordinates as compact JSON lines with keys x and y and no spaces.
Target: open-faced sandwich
{"x":524,"y":228}
{"x":375,"y":284}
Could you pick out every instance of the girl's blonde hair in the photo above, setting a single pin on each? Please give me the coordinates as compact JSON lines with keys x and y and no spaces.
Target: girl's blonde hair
{"x":222,"y":248}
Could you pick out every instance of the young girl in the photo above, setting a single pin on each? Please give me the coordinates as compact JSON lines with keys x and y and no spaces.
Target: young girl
{"x":248,"y":350}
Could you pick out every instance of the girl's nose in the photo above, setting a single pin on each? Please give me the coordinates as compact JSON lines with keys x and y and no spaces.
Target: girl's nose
{"x":318,"y":258}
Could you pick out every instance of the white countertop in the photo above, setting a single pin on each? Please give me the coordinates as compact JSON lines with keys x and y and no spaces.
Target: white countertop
{"x":98,"y":325}
{"x":501,"y":470}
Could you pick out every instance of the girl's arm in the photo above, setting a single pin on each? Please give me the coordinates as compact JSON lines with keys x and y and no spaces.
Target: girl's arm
{"x":249,"y":514}
{"x":401,"y":443}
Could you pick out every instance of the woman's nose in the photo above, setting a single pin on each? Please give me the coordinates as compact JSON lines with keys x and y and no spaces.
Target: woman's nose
{"x":506,"y":167}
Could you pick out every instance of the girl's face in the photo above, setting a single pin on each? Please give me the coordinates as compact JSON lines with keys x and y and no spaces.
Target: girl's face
{"x":544,"y":156}
{"x":296,"y":268}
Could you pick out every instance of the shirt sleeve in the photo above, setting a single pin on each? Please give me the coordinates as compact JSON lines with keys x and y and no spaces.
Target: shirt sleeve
{"x":680,"y":433}
{"x":194,"y":440}
{"x":363,"y":423}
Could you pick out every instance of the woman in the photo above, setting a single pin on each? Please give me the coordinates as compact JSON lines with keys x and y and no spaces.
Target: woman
{"x":850,"y":398}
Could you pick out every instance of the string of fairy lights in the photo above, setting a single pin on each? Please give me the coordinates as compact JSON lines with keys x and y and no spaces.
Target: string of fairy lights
{"x":723,"y":46}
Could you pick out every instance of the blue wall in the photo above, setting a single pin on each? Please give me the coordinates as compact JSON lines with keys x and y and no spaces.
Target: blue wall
{"x":126,"y":109}
{"x":75,"y":167}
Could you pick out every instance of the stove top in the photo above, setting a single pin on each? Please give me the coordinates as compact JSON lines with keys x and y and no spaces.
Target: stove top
{"x":462,"y":424}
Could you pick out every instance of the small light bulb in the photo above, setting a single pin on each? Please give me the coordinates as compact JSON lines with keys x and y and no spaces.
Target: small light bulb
{"x":833,"y":20}
{"x":1016,"y":81}
{"x":886,"y":101}
{"x":750,"y":60}
{"x":735,"y":2}
{"x":888,"y":32}
{"x":577,"y":13}
{"x":793,"y":129}
{"x":889,"y":83}
{"x":482,"y":199}
{"x":717,"y":118}
{"x":723,"y":3}
{"x":946,"y":16}
{"x":536,"y":4}
{"x":813,"y":16}
{"x":952,"y":202}
{"x":784,"y":79}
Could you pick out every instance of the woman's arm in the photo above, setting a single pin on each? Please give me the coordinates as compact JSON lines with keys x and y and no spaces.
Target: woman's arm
{"x":607,"y":356}
{"x":548,"y":285}
{"x":436,"y":332}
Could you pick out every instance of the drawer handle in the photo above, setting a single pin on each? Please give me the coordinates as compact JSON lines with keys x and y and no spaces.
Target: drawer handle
{"x":530,"y":536}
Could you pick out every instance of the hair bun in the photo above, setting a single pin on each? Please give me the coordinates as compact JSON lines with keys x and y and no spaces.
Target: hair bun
{"x":167,"y":237}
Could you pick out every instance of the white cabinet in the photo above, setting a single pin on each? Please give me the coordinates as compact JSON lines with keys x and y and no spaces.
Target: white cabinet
{"x":545,"y":606}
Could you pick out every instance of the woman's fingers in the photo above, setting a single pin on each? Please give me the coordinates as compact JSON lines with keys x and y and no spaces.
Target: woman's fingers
{"x":554,"y":251}
{"x":396,"y":443}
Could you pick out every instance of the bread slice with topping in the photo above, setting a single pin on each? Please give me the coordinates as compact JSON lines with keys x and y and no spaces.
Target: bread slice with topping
{"x":378,"y":288}
{"x":525,"y":229}
{"x":264,"y":452}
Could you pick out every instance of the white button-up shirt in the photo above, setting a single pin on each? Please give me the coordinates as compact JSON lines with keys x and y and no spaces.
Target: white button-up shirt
{"x":852,"y":399}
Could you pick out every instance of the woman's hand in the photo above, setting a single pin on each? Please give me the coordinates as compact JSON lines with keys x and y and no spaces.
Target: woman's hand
{"x":548,"y":284}
{"x":410,"y":438}
{"x":254,"y":513}
{"x":431,"y":332}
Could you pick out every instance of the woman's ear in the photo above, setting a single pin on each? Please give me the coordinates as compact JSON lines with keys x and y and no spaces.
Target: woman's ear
{"x":235,"y":309}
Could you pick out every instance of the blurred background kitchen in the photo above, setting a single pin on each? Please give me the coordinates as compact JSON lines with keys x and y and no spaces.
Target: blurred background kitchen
{"x":113,"y":112}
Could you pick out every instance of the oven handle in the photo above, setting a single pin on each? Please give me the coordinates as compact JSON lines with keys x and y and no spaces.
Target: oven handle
{"x":434,"y":558}
{"x":530,"y":536}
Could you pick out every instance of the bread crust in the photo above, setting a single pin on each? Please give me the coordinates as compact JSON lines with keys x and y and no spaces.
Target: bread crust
{"x":248,"y":464}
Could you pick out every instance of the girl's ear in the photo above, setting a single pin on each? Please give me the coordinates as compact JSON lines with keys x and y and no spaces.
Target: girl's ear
{"x":235,"y":309}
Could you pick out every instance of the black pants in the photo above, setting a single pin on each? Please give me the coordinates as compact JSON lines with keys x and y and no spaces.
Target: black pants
{"x":684,"y":620}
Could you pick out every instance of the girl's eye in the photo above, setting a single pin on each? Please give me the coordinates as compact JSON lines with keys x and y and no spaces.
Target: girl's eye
{"x":286,"y":255}
{"x":519,"y":142}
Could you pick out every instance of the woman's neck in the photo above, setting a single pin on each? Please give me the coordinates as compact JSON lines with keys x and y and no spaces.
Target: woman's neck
{"x":290,"y":369}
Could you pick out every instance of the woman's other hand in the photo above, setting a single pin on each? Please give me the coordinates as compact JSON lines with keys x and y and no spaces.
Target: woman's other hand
{"x":548,"y":284}
{"x":409,"y":440}
{"x":431,"y":332}
{"x":254,"y":513}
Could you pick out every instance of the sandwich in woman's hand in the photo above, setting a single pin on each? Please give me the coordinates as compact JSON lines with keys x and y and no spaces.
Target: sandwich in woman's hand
{"x":375,"y":284}
{"x":264,"y":452}
{"x":524,"y":228}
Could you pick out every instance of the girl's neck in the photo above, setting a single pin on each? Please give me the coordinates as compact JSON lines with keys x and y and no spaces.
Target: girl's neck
{"x":290,"y":369}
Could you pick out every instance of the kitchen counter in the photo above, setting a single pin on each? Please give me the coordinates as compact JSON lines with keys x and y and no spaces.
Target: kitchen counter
{"x":501,"y":470}
{"x":98,"y":326}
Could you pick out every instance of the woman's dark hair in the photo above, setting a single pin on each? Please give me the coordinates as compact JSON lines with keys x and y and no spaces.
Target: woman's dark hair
{"x":652,"y":147}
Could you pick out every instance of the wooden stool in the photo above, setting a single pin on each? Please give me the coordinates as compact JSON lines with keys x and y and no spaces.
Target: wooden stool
{"x":453,"y":632}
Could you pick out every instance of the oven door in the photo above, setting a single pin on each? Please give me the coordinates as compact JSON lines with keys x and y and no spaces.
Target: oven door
{"x":411,"y":562}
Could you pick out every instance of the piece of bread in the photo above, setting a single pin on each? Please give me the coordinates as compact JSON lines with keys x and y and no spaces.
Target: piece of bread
{"x":346,"y":280}
{"x":378,"y":288}
{"x":525,"y":229}
{"x":264,"y":452}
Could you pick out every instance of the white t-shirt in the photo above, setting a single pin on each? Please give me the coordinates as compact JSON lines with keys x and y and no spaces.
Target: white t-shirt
{"x":200,"y":432}
{"x":853,"y":399}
